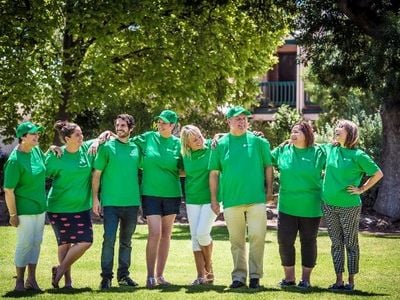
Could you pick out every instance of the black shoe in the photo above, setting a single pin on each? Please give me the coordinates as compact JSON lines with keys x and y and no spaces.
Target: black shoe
{"x":237,"y":284}
{"x":105,"y":283}
{"x":254,"y":283}
{"x":285,"y":283}
{"x":305,"y":285}
{"x":127,"y":281}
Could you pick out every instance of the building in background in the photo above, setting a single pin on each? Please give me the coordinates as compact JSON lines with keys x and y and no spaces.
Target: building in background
{"x":284,"y":84}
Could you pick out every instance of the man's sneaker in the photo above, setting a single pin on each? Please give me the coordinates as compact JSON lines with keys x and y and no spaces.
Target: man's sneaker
{"x":286,"y":283}
{"x":237,"y":284}
{"x":105,"y":283}
{"x":304,"y":285}
{"x":254,"y":283}
{"x":127,"y":281}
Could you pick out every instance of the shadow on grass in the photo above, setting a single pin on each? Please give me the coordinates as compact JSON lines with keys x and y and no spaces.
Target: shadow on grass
{"x":69,"y":291}
{"x":222,"y":289}
{"x":28,"y":294}
{"x":316,"y":289}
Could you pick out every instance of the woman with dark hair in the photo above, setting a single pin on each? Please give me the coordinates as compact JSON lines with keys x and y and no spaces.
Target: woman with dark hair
{"x":24,"y":187}
{"x":161,"y":191}
{"x":300,"y":164}
{"x":346,"y":165}
{"x":69,"y":199}
{"x":196,"y":153}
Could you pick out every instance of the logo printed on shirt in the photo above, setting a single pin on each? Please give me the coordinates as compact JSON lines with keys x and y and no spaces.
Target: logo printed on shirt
{"x":305,"y":159}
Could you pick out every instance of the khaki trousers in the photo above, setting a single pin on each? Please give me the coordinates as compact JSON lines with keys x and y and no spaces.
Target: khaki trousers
{"x":256,"y":218}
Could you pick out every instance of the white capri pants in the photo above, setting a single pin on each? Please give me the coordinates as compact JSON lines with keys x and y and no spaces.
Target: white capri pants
{"x":29,"y":239}
{"x":201,"y":218}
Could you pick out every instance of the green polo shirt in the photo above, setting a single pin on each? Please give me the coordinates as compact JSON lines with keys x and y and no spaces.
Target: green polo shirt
{"x":161,"y":162}
{"x":119,"y":163}
{"x":72,"y":175}
{"x":26,"y":174}
{"x":197,"y":188}
{"x":345,"y":167}
{"x":300,"y":179}
{"x":241,"y":161}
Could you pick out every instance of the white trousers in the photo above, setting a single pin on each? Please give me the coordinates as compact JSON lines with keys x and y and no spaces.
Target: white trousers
{"x":201,"y":218}
{"x":29,"y":239}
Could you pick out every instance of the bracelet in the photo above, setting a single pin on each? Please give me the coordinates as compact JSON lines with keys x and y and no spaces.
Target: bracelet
{"x":13,"y":215}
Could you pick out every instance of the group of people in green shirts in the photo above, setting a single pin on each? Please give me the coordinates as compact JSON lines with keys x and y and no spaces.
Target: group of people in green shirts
{"x":234,"y":172}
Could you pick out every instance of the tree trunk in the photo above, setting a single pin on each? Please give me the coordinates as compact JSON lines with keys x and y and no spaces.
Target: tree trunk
{"x":388,"y":201}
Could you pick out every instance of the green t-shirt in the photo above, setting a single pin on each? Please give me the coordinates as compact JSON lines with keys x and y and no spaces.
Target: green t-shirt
{"x":197,"y":188}
{"x":71,"y":174}
{"x":300,"y":180}
{"x":344,"y":167}
{"x":241,"y":161}
{"x":161,"y":162}
{"x":26,"y":174}
{"x":119,"y":163}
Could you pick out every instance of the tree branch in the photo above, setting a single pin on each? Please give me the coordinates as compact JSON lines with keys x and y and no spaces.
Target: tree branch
{"x":361,"y":14}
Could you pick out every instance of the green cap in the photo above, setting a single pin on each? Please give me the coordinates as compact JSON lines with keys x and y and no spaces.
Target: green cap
{"x":168,"y":116}
{"x":235,"y":111}
{"x":27,"y":127}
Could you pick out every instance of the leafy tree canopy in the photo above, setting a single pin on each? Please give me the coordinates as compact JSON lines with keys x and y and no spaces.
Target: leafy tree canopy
{"x":356,"y":44}
{"x":63,"y":59}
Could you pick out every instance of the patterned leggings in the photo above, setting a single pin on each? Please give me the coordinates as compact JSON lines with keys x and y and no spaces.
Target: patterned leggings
{"x":342,"y":223}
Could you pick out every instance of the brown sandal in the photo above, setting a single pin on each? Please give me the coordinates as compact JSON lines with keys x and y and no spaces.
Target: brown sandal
{"x":210,"y":277}
{"x":53,"y":277}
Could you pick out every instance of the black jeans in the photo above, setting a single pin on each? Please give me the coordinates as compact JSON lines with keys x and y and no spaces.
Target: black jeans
{"x":288,"y":226}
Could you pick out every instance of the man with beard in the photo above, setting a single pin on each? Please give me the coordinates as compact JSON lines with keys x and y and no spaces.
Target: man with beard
{"x":237,"y":155}
{"x":116,"y":171}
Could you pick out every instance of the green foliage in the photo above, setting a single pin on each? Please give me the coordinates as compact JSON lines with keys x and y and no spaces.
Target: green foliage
{"x":64,"y":59}
{"x":370,"y":131}
{"x":339,"y":102}
{"x":278,"y":130}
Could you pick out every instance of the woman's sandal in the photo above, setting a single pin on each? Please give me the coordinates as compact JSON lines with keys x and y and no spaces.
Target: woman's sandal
{"x":210,"y":277}
{"x":53,"y":277}
{"x":32,"y":287}
{"x":162,"y":282}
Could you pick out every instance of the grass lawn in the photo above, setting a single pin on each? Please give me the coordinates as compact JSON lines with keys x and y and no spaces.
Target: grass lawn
{"x":379,"y":269}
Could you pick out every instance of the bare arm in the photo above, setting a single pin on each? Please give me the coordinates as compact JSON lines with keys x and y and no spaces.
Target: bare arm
{"x":97,"y":210}
{"x":367,"y":185}
{"x":12,"y":208}
{"x":214,"y":182}
{"x":269,"y":174}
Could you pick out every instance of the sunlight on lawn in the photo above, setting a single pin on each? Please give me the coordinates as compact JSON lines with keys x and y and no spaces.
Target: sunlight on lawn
{"x":379,"y":269}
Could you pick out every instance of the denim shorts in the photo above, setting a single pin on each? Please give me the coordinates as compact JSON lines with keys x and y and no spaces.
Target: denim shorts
{"x":160,"y":206}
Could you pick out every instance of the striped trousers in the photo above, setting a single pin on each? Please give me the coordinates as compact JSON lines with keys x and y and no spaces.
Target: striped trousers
{"x":343,"y":223}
